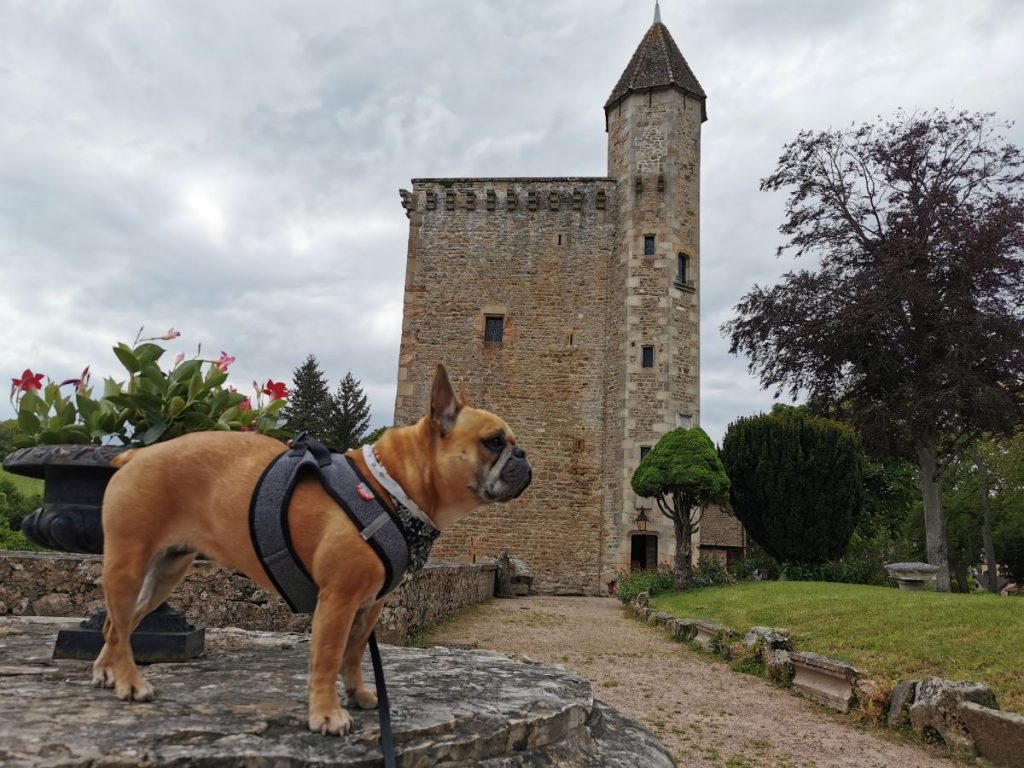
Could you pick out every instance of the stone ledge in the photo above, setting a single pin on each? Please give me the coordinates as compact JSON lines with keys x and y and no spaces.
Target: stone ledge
{"x":244,"y":703}
{"x":825,"y":680}
{"x":709,"y":635}
{"x":998,"y":736}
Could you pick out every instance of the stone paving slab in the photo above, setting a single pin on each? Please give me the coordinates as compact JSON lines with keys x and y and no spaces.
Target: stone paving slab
{"x":244,"y":703}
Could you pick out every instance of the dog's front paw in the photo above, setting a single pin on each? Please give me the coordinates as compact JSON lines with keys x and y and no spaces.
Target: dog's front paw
{"x":362,"y":697}
{"x":134,"y":689}
{"x":102,"y":676}
{"x":335,"y":723}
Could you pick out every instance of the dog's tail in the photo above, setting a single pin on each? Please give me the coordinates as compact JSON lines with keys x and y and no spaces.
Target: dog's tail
{"x":123,"y":458}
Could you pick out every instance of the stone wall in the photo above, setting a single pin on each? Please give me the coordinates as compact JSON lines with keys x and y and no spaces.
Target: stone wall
{"x":537,"y":253}
{"x":214,"y":596}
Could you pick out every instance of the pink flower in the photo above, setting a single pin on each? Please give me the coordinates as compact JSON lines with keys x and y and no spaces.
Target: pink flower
{"x":80,"y":383}
{"x":32,"y":382}
{"x":225,"y":361}
{"x":245,"y":405}
{"x":171,"y":334}
{"x":179,"y":359}
{"x":276,"y":389}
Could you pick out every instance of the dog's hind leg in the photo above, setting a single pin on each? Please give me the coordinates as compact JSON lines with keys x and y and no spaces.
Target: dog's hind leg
{"x":166,"y":570}
{"x":125,"y":565}
{"x":352,"y":662}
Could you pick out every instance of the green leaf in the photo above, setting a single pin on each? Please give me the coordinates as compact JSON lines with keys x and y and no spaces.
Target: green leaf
{"x":275,"y":406}
{"x":148,"y":353}
{"x":111,"y":388}
{"x":127,"y":358}
{"x":215,"y":376}
{"x":186,"y":370}
{"x":50,"y":437}
{"x":176,"y":406}
{"x":152,"y":379}
{"x":28,"y":422}
{"x":87,"y":407}
{"x":51,"y":393}
{"x":154,"y":433}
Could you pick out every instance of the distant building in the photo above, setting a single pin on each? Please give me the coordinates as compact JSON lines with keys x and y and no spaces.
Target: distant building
{"x":570,"y":306}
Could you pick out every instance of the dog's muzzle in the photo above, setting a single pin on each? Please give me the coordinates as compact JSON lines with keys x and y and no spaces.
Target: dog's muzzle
{"x":509,"y":476}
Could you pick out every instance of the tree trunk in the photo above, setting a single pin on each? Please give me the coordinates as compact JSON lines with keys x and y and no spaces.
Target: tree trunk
{"x":992,"y":577}
{"x":934,"y":517}
{"x":683,"y":573}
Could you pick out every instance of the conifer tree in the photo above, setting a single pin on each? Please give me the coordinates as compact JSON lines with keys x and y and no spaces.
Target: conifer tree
{"x":351,"y":416}
{"x":310,"y":407}
{"x":796,"y":483}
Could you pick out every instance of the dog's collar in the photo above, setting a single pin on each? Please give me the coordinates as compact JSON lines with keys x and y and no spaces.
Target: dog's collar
{"x":376,"y":467}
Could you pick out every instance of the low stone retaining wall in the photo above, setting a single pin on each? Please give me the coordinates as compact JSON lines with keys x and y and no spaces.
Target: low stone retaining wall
{"x":211,"y":595}
{"x":965,"y":714}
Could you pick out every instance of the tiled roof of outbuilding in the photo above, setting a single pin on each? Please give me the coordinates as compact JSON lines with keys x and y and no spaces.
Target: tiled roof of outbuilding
{"x":657,"y":63}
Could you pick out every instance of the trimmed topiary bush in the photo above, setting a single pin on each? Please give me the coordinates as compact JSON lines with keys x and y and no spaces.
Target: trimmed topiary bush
{"x":796,"y":484}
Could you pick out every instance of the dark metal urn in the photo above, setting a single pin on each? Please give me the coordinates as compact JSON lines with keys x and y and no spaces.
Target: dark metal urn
{"x":75,"y":478}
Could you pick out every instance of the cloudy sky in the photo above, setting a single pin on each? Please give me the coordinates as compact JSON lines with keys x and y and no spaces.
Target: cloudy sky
{"x":231,"y":168}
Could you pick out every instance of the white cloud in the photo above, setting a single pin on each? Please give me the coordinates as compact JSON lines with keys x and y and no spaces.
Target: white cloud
{"x":232,"y":168}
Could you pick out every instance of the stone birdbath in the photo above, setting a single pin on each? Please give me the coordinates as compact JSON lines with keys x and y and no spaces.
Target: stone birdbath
{"x":912,"y":576}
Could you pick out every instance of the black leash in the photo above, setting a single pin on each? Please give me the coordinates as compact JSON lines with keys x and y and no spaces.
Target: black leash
{"x":387,"y":739}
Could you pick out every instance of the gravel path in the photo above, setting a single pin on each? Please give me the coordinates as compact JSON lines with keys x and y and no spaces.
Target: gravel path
{"x":706,"y":714}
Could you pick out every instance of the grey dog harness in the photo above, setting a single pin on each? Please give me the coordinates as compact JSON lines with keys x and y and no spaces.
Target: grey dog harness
{"x":401,"y":540}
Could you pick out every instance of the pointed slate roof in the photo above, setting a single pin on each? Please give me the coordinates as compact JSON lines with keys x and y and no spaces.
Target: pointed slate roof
{"x":657,"y":63}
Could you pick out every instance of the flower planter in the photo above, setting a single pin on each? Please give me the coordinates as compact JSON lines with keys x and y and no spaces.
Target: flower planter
{"x":75,"y":478}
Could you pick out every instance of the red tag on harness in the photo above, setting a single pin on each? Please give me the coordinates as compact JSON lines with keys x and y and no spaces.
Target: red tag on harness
{"x":364,"y":493}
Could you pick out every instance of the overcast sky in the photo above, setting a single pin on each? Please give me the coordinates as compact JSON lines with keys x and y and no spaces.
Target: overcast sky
{"x":231,"y":169}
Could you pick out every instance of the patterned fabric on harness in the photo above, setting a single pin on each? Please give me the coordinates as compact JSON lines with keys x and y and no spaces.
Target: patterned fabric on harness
{"x":401,"y":541}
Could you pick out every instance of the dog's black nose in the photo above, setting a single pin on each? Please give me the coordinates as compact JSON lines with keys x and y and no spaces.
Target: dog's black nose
{"x":518,"y":452}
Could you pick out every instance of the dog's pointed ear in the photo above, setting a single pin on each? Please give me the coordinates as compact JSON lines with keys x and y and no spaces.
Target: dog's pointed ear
{"x":444,"y":406}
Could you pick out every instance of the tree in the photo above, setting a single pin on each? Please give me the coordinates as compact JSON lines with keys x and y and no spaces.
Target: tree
{"x":914,"y":314}
{"x":797,"y":485}
{"x":8,"y":432}
{"x":351,"y":416}
{"x":372,"y":437}
{"x":684,"y":475}
{"x":310,"y":408}
{"x":890,"y":491}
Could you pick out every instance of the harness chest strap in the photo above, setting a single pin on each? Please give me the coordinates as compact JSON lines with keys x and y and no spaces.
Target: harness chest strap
{"x":268,"y":521}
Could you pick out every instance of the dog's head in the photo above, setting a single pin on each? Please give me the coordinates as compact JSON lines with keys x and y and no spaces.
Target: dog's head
{"x":474,"y":451}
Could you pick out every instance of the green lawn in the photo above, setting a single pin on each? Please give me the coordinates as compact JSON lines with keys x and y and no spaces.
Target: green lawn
{"x":884,"y":632}
{"x":27,"y":485}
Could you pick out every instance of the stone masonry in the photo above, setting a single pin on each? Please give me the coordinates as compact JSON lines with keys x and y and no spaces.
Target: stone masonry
{"x":584,"y":278}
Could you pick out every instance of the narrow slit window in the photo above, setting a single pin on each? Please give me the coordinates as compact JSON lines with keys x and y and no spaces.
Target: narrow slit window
{"x":647,"y":357}
{"x":648,"y":245}
{"x":644,"y":450}
{"x":683,"y":275}
{"x":494,"y":329}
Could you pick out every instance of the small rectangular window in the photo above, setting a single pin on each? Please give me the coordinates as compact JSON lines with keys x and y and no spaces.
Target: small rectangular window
{"x":681,"y":277}
{"x":647,"y":357}
{"x":494,"y":329}
{"x":644,"y":450}
{"x":648,"y":245}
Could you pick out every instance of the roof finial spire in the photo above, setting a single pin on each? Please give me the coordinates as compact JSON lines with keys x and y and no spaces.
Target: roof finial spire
{"x":657,"y":12}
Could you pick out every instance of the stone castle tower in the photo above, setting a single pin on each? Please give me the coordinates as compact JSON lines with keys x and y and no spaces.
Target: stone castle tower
{"x":570,"y":306}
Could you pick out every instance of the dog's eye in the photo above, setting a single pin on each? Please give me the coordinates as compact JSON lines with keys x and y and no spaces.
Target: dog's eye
{"x":495,"y":444}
